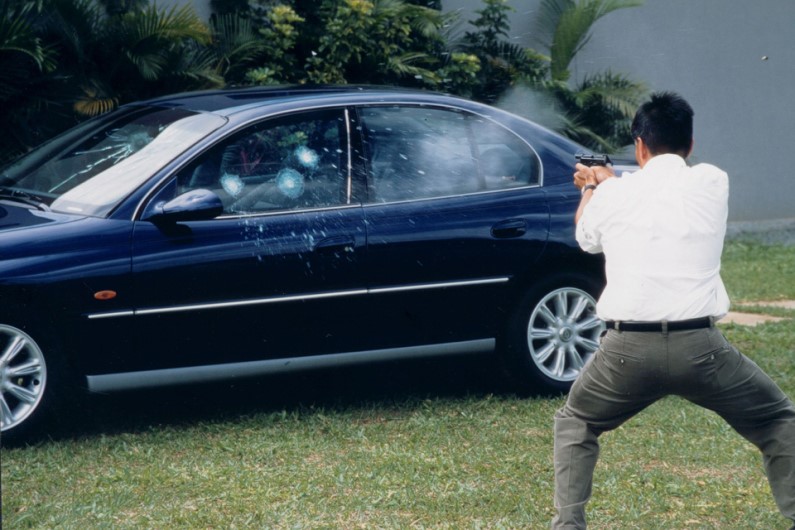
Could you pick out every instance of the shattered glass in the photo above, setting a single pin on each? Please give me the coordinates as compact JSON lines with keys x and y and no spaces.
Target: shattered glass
{"x":232,"y":184}
{"x":285,"y":163}
{"x":88,"y":169}
{"x":290,"y":182}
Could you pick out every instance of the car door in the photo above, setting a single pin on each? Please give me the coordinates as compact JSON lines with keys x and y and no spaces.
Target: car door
{"x":278,"y":274}
{"x":454,"y":212}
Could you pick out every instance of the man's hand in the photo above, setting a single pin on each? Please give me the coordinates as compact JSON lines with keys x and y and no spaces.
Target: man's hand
{"x":594,"y":175}
{"x":589,"y":175}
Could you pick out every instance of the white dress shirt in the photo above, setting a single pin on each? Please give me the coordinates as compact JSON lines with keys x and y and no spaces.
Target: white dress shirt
{"x":661,"y":230}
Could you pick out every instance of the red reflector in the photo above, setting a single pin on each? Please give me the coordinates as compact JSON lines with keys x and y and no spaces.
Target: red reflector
{"x":105,"y":295}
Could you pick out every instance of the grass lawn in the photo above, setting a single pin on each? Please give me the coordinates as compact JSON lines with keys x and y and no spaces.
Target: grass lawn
{"x":375,"y":448}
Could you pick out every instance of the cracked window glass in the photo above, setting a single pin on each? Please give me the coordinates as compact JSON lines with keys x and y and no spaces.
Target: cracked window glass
{"x":288,"y":163}
{"x":89,"y":169}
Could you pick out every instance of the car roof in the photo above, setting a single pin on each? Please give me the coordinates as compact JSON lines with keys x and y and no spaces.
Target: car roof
{"x":231,"y":98}
{"x":247,"y":102}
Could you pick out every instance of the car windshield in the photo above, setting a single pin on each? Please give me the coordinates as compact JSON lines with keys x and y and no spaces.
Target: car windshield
{"x":89,"y":169}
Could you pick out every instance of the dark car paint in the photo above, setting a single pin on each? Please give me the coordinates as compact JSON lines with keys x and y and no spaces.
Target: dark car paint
{"x":203,"y":293}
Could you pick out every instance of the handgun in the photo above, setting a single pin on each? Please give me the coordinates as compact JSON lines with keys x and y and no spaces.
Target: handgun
{"x":593,"y":160}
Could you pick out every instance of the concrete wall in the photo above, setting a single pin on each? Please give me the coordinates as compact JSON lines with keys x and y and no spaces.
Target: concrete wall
{"x":201,"y":7}
{"x":734,"y":61}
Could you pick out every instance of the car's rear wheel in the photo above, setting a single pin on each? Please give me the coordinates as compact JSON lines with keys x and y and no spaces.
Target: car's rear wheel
{"x":24,"y":384}
{"x":553,"y":332}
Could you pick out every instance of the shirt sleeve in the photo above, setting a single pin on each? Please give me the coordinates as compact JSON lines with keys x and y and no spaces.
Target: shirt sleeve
{"x":588,"y":235}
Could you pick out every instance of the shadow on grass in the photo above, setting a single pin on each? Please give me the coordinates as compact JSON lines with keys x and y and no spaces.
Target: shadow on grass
{"x":371,"y":386}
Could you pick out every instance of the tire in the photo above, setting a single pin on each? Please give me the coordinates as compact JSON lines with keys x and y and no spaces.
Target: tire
{"x":552,"y":333}
{"x":26,"y":387}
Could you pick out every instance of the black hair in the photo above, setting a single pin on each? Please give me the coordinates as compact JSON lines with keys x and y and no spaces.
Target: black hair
{"x":665,"y":123}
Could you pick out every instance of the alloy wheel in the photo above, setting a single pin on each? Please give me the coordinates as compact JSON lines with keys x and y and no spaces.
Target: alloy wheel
{"x":563,"y":333}
{"x":23,"y":376}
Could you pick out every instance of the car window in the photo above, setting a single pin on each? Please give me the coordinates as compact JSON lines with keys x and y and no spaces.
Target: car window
{"x":505,"y":160}
{"x":418,"y":152}
{"x":90,"y":168}
{"x":285,"y":163}
{"x":422,"y":152}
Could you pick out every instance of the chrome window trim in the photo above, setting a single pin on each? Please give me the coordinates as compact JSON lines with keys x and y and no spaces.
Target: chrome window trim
{"x":218,"y":372}
{"x":349,"y":150}
{"x":296,"y":298}
{"x":435,"y":198}
{"x":286,"y":212}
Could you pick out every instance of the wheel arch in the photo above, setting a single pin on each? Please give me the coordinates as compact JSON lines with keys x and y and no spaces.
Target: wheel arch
{"x":558,"y":264}
{"x":45,"y":337}
{"x":572,"y":273}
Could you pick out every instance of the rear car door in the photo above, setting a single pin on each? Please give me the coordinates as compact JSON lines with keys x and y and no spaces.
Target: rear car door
{"x":454,"y":211}
{"x":279,"y":273}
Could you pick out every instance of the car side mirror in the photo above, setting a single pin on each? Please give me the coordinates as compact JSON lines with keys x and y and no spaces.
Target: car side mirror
{"x":194,"y":205}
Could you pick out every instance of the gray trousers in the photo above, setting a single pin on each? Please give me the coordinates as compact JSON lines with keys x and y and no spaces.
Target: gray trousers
{"x":632,"y":370}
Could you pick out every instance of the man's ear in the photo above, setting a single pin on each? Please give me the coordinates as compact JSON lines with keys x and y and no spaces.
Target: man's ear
{"x":642,"y":153}
{"x":690,"y":151}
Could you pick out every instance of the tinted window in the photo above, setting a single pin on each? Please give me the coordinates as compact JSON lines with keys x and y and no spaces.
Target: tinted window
{"x":420,"y":152}
{"x":294,"y":162}
{"x":505,"y":160}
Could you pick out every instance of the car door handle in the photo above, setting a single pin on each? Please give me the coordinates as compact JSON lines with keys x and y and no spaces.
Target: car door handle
{"x":509,"y":228}
{"x":335,"y":244}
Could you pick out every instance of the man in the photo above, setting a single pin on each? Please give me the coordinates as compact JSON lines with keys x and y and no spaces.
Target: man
{"x":661,"y":230}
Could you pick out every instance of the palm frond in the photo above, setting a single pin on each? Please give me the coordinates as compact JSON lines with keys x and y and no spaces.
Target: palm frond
{"x":548,"y":20}
{"x":585,"y":135}
{"x":236,"y":41}
{"x":95,"y":101}
{"x":18,"y":37}
{"x":402,"y":66}
{"x":194,"y":68}
{"x":425,"y":21}
{"x":77,"y":25}
{"x":615,"y":91}
{"x":172,"y":24}
{"x":148,"y":35}
{"x":566,"y":26}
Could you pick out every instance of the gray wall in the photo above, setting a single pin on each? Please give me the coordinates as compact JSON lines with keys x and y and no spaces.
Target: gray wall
{"x":202,"y":7}
{"x":711,"y":52}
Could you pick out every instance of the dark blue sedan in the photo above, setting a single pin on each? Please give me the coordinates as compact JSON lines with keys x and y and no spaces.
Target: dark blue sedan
{"x":227,"y":234}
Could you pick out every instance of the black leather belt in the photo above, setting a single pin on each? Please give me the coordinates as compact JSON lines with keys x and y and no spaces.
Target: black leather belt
{"x":673,"y":325}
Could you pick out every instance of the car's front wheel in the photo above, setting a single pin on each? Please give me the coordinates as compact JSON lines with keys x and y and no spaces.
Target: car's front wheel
{"x":552,"y":333}
{"x":24,"y":385}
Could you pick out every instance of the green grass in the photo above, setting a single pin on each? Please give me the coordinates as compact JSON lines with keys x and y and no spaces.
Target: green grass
{"x":758,"y":272}
{"x":445,"y":460}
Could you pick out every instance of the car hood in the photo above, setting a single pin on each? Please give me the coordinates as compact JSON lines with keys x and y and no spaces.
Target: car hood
{"x":14,"y":217}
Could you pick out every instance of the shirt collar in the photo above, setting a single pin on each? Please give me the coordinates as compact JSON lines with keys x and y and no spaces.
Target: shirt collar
{"x":664,"y":162}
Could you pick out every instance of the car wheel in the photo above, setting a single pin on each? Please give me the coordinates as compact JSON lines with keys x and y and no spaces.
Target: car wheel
{"x":24,"y":383}
{"x":553,"y":332}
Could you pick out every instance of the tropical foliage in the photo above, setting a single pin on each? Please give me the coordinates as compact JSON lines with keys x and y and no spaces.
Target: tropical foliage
{"x":26,"y":66}
{"x":597,"y":109}
{"x":62,"y":61}
{"x":81,"y":59}
{"x":502,"y":62}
